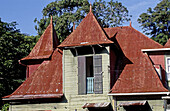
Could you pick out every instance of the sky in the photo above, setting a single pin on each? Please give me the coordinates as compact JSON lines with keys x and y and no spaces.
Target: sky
{"x":25,"y":11}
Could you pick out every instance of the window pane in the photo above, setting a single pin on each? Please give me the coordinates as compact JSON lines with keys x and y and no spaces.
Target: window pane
{"x":168,"y":76}
{"x":168,"y":61}
{"x":168,"y":68}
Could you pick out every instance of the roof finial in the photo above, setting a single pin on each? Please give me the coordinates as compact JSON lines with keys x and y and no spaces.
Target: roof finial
{"x":73,"y":26}
{"x":130,"y":23}
{"x":51,"y":19}
{"x":90,"y":8}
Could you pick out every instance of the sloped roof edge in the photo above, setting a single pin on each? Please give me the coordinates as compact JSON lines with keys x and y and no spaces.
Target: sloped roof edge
{"x":39,"y":96}
{"x":46,"y":44}
{"x":82,"y":37}
{"x":38,"y":85}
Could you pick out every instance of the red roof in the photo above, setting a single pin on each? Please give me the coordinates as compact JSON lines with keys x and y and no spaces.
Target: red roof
{"x":167,"y":45}
{"x":45,"y":82}
{"x":140,"y":75}
{"x":89,"y":32}
{"x":45,"y":45}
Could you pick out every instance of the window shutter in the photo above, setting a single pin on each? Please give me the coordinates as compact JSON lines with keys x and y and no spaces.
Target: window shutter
{"x":98,"y":79}
{"x":81,"y":75}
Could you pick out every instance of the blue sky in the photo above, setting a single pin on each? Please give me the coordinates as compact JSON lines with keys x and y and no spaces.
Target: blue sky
{"x":25,"y":11}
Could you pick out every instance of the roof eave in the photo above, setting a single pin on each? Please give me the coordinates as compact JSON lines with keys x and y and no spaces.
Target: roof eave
{"x":74,"y":46}
{"x":152,"y":50}
{"x":33,"y":97}
{"x":138,"y":94}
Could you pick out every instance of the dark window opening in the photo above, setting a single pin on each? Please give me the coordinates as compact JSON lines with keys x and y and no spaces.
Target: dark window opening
{"x":89,"y":67}
{"x":136,"y":106}
{"x":168,"y":105}
{"x":85,"y":50}
{"x":90,"y":74}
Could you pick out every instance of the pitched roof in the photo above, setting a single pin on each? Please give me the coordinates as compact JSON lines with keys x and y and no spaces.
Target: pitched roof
{"x":45,"y":45}
{"x":139,"y":75}
{"x":45,"y":82}
{"x":89,"y":32}
{"x":167,"y":45}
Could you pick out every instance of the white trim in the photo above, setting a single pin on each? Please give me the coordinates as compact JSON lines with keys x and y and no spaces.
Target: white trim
{"x":166,"y":97}
{"x":132,"y":94}
{"x":160,"y":49}
{"x":166,"y":67}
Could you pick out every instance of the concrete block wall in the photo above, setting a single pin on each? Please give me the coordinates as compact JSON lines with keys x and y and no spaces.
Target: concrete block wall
{"x":70,"y":72}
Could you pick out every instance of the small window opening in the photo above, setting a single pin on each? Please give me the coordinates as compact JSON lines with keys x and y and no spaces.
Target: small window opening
{"x":89,"y":66}
{"x":89,"y":75}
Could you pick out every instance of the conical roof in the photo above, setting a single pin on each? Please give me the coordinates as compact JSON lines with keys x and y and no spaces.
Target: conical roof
{"x":89,"y":32}
{"x":45,"y":45}
{"x":45,"y":82}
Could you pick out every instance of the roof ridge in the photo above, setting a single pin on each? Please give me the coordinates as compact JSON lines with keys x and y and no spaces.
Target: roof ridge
{"x":101,"y":27}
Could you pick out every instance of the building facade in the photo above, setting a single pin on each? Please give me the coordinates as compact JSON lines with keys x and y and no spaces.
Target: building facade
{"x":94,"y":69}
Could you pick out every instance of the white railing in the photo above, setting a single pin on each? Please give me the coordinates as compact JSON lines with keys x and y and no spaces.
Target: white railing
{"x":90,"y":81}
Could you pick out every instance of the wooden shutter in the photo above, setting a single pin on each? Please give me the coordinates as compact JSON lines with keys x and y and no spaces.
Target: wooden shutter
{"x":81,"y":75}
{"x":98,"y":78}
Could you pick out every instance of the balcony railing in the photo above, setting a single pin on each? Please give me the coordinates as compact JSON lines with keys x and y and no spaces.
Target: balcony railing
{"x":90,"y":81}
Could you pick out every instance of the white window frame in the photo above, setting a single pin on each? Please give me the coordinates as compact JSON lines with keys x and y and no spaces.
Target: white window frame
{"x":167,"y":72}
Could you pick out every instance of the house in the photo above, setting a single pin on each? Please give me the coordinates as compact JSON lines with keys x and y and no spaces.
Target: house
{"x":94,"y":69}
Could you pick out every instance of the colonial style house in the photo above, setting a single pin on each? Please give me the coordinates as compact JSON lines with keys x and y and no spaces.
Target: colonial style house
{"x":95,"y":69}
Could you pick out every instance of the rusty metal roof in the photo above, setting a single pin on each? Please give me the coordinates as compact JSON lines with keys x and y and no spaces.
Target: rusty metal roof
{"x":45,"y":82}
{"x":167,"y":45}
{"x":45,"y":45}
{"x":96,"y":105}
{"x":133,"y":103}
{"x":139,"y":75}
{"x":89,"y":32}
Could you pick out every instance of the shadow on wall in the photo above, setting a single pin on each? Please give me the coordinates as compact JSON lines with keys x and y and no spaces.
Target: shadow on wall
{"x":40,"y":101}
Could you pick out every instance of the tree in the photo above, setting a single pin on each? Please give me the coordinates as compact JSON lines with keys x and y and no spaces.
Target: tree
{"x":110,"y":14}
{"x":65,"y":12}
{"x":13,"y":47}
{"x":156,"y":22}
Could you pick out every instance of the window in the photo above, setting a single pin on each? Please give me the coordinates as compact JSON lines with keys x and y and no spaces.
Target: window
{"x":168,"y":67}
{"x":90,"y":74}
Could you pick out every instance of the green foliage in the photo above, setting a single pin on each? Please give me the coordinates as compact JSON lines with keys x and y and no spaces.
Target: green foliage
{"x":5,"y":107}
{"x":110,"y":14}
{"x":65,"y":12}
{"x":156,"y":22}
{"x":13,"y":47}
